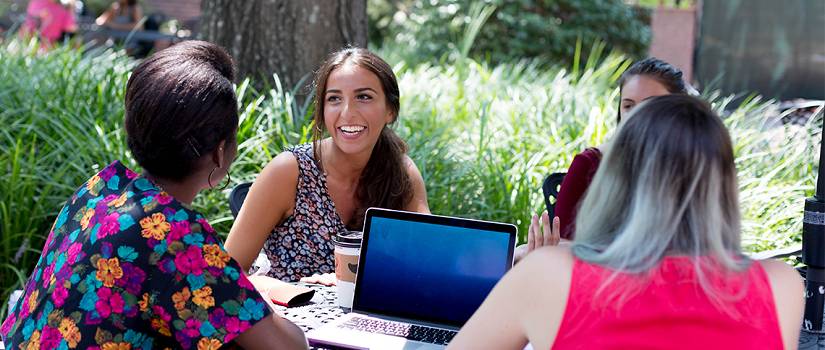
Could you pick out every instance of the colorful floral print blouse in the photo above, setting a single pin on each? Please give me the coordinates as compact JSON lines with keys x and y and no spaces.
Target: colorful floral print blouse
{"x":126,"y":266}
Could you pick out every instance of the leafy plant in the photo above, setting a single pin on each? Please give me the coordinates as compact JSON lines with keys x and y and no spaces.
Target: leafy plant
{"x":429,"y":30}
{"x":483,"y":135}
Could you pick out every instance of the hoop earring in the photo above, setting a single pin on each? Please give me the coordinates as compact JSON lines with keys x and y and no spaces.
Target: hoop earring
{"x":228,"y":179}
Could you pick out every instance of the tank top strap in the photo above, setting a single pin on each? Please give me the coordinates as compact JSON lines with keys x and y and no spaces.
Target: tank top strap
{"x":312,"y":183}
{"x":307,"y":166}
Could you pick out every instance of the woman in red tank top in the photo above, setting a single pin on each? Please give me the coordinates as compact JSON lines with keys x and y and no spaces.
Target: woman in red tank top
{"x":657,"y":263}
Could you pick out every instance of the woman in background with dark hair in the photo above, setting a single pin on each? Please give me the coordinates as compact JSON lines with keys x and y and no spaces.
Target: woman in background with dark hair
{"x":126,"y":15}
{"x":647,"y":78}
{"x":122,"y":15}
{"x":657,"y":262}
{"x":128,"y":263}
{"x":314,"y":191}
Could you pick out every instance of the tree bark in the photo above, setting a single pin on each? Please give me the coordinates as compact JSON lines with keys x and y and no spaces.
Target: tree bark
{"x":289,"y":38}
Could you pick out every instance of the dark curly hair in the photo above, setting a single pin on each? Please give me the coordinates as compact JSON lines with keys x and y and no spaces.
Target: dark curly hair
{"x":180,"y":104}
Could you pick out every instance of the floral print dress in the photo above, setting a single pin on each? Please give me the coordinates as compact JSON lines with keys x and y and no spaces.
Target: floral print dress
{"x":302,"y":245}
{"x":126,"y":266}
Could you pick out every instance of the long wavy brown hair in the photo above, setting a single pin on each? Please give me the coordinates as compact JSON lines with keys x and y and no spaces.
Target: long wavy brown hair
{"x":384,"y":182}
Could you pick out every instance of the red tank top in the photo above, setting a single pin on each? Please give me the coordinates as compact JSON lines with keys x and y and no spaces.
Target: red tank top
{"x":669,"y":310}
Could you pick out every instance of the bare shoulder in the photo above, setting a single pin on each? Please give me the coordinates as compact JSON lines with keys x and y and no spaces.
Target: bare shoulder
{"x":789,"y":299}
{"x":273,"y":192}
{"x":547,"y":270}
{"x":549,"y":262}
{"x":419,"y":201}
{"x":284,"y":166}
{"x":545,"y":276}
{"x":413,"y":172}
{"x":410,"y":164}
{"x":522,"y":307}
{"x":781,"y":274}
{"x":270,"y":199}
{"x":785,"y":281}
{"x":285,"y":158}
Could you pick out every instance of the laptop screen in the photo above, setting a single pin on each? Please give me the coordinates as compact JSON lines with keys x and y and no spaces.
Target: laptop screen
{"x":430,"y":268}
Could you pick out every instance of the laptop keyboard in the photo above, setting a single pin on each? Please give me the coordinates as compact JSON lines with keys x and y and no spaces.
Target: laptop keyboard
{"x":400,"y":329}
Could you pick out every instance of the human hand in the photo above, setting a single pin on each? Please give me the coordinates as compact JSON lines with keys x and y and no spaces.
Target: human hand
{"x":263,"y":284}
{"x":539,"y":235}
{"x":327,"y":279}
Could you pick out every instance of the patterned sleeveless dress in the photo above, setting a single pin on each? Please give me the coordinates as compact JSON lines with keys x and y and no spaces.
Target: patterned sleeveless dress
{"x":302,"y":245}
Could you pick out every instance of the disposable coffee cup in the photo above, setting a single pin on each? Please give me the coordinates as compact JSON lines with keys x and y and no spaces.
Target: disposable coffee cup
{"x":347,"y":248}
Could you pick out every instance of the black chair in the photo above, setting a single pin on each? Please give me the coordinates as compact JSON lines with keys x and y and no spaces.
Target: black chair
{"x":550,"y":187}
{"x":237,"y":196}
{"x":552,"y":184}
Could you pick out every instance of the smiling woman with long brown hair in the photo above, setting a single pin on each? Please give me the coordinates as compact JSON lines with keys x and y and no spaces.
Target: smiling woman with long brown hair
{"x":314,"y":191}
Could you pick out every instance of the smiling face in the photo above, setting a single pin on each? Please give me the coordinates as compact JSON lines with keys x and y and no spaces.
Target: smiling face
{"x":637,"y":89}
{"x":355,"y":109}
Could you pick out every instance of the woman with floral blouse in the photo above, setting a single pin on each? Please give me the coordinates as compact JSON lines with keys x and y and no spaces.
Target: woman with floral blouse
{"x":128,"y":264}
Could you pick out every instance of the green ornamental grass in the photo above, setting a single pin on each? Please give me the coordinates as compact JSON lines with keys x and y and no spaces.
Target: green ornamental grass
{"x":484,"y":137}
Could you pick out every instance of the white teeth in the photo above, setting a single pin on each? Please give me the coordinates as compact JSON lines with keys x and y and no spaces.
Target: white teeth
{"x":351,"y":128}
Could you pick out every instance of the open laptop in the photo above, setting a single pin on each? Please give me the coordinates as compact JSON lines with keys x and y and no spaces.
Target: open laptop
{"x":420,"y":278}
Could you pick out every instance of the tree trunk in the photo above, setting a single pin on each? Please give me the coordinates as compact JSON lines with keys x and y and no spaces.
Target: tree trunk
{"x":289,"y":38}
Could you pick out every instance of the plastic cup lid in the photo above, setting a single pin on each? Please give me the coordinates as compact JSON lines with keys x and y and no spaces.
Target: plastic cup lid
{"x":348,"y":238}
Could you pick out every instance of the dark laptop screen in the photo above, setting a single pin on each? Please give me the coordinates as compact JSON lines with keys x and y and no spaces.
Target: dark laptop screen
{"x":435,"y":272}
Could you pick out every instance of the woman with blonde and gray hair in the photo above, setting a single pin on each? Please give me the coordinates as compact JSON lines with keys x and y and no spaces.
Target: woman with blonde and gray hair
{"x":656,"y":262}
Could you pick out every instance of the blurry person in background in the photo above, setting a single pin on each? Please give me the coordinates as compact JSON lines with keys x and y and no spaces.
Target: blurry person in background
{"x":49,"y":20}
{"x":122,"y":15}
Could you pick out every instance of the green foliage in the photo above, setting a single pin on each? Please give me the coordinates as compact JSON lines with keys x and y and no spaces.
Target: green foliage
{"x":680,"y":4}
{"x":60,"y":118}
{"x":423,"y":30}
{"x":97,"y":7}
{"x":5,"y":7}
{"x":484,"y":136}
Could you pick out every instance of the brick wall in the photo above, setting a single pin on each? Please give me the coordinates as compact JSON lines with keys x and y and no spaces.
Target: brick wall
{"x":674,"y":37}
{"x":182,"y":10}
